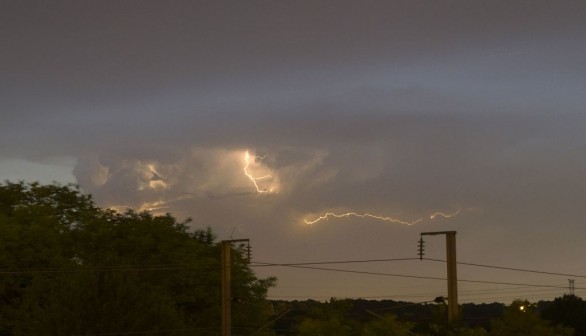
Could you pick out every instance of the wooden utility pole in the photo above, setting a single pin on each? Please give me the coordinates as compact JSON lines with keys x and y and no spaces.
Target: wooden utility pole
{"x":226,"y":246}
{"x":453,"y":311}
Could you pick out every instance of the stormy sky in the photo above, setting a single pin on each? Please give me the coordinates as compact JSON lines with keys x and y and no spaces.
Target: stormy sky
{"x":252,"y":117}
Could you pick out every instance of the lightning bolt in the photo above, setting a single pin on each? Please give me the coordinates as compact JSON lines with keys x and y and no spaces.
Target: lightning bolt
{"x":433,"y":216}
{"x":327,"y":216}
{"x":253,"y":179}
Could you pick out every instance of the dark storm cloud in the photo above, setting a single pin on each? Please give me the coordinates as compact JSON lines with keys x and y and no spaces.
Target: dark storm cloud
{"x":401,"y":108}
{"x":96,"y":53}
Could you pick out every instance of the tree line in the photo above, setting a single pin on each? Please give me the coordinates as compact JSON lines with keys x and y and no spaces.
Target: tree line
{"x":563,"y":316}
{"x":69,"y":267}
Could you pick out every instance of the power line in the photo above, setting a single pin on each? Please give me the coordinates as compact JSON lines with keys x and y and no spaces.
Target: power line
{"x":511,"y":291}
{"x":512,"y":296}
{"x":511,"y":268}
{"x":261,"y":264}
{"x":414,"y":276}
{"x":254,"y":264}
{"x":350,"y":271}
{"x":519,"y":289}
{"x":512,"y":283}
{"x":303,"y":265}
{"x":409,"y":259}
{"x":137,"y":268}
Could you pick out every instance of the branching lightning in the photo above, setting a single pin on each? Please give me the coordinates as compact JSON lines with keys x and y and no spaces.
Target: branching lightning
{"x":254,"y":179}
{"x":433,"y":216}
{"x":329,"y":215}
{"x":326,"y":216}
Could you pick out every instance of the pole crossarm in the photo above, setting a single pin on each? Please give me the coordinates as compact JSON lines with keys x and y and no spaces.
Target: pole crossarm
{"x":435,"y":233}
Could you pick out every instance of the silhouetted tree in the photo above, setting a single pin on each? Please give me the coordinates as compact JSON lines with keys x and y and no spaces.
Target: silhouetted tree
{"x":68,"y":267}
{"x":521,"y":319}
{"x":329,"y":319}
{"x":441,"y":327}
{"x":387,"y":325}
{"x":569,"y":310}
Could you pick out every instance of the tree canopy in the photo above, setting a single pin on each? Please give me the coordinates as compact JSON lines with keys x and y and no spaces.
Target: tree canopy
{"x":569,"y":310}
{"x":69,"y":267}
{"x":521,"y":319}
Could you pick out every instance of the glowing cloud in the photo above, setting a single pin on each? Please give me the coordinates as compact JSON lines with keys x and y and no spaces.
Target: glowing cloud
{"x":150,"y":177}
{"x":255,"y":179}
{"x":154,"y":207}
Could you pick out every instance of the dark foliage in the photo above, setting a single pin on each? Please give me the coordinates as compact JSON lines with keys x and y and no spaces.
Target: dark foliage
{"x":68,"y":267}
{"x":568,"y":310}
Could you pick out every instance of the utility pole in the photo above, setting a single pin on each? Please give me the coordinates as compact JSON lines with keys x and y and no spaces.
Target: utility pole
{"x":572,"y":287}
{"x":227,"y":284}
{"x":453,"y":311}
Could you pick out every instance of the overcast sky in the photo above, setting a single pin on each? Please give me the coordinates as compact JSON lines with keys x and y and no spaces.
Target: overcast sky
{"x":397,"y":109}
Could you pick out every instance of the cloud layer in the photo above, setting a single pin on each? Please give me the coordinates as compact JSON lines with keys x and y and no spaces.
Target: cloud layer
{"x":395,"y":109}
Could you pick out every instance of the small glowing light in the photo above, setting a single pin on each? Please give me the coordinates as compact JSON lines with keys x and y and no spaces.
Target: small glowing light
{"x":522,"y":308}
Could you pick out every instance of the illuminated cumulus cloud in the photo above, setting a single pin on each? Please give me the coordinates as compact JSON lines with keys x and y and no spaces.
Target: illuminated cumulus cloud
{"x":161,"y":206}
{"x":154,"y":184}
{"x":225,"y":172}
{"x":305,"y":171}
{"x":198,"y":181}
{"x":340,"y":215}
{"x":156,"y":207}
{"x":149,"y":177}
{"x":126,"y":183}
